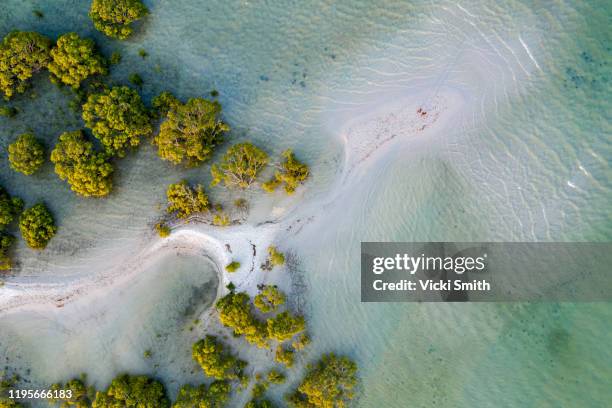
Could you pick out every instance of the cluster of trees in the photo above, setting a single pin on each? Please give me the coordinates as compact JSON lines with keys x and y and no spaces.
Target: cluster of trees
{"x":242,"y":164}
{"x":115,"y":17}
{"x":36,"y":224}
{"x":329,"y":383}
{"x":214,"y":395}
{"x":24,"y":53}
{"x":10,"y":208}
{"x":184,"y":200}
{"x":80,"y":395}
{"x":236,"y":312}
{"x":136,"y":391}
{"x":290,"y":174}
{"x":216,"y":361}
{"x":269,"y":299}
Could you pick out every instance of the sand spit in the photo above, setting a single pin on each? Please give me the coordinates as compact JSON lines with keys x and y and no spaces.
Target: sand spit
{"x":372,"y":133}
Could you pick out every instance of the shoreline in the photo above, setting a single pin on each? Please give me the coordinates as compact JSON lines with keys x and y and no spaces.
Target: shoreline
{"x":248,"y":243}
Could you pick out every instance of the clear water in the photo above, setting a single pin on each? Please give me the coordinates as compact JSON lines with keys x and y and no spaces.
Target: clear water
{"x":108,"y":333}
{"x":526,"y":157}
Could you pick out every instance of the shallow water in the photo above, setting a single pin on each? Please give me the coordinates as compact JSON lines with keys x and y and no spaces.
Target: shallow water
{"x":526,"y":157}
{"x":107,"y":333}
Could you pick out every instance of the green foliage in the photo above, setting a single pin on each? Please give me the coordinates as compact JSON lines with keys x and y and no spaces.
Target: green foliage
{"x":259,"y":389}
{"x":241,"y":204}
{"x":216,"y":362}
{"x":329,"y":383}
{"x":301,"y":342}
{"x":292,"y":173}
{"x":37,"y":226}
{"x":115,"y":58}
{"x":259,"y":404}
{"x":6,"y":242}
{"x":147,"y":354}
{"x":269,"y":299}
{"x":184,"y":200}
{"x":190,"y":132}
{"x":26,"y":154}
{"x":284,"y":326}
{"x":10,"y":207}
{"x":235,"y":312}
{"x":276,"y":377}
{"x":88,"y":173}
{"x":284,"y":356}
{"x":8,"y":111}
{"x":118,"y":118}
{"x":213,"y":396}
{"x":240,"y":166}
{"x":136,"y":80}
{"x":74,"y":59}
{"x":232,"y":266}
{"x":143,"y":53}
{"x":114,"y":17}
{"x":22,"y":54}
{"x":136,"y":391}
{"x":9,"y":403}
{"x":163,"y":230}
{"x":275,"y":258}
{"x":221,"y":219}
{"x":80,"y":394}
{"x":163,"y":102}
{"x":5,"y":385}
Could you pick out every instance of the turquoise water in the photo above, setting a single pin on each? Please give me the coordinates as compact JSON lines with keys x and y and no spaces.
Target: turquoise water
{"x":527,"y":158}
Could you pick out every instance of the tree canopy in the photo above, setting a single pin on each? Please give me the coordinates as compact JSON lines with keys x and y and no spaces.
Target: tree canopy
{"x":22,"y":54}
{"x":88,"y":172}
{"x":284,"y":356}
{"x":329,"y":383}
{"x":114,"y":17}
{"x":79,"y":394}
{"x":235,"y":312}
{"x":275,"y":258}
{"x":184,"y":200}
{"x":240,"y":166}
{"x":118,"y":118}
{"x":37,"y":226}
{"x":213,"y":396}
{"x":190,"y":131}
{"x":259,"y":404}
{"x":291,"y":174}
{"x":74,"y":59}
{"x":26,"y":154}
{"x":269,"y":299}
{"x":6,"y":242}
{"x":10,"y":207}
{"x":137,"y":391}
{"x":284,"y":326}
{"x":216,"y":362}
